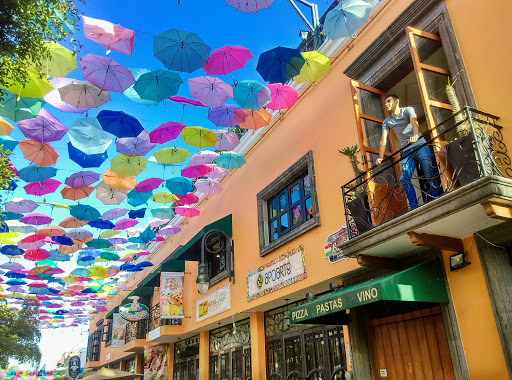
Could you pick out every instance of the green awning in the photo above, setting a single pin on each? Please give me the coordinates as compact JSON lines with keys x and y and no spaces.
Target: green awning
{"x":192,"y":250}
{"x":110,"y":314}
{"x":420,"y":283}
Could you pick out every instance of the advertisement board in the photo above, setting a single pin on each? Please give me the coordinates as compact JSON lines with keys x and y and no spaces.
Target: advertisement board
{"x":171,"y":295}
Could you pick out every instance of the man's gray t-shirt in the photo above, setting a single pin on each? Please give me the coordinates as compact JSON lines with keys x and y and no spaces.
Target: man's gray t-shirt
{"x":402,"y":126}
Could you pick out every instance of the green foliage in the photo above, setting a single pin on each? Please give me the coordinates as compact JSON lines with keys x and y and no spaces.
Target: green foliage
{"x":19,"y":335}
{"x":351,"y":152}
{"x":24,"y":24}
{"x":6,"y":175}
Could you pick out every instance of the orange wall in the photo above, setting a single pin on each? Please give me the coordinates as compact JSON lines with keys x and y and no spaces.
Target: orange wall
{"x":484,"y":354}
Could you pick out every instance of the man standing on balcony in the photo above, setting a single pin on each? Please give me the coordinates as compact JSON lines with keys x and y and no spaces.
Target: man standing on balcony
{"x":404,"y":122}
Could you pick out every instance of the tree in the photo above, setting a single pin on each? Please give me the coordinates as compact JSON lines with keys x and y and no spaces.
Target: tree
{"x":24,"y":25}
{"x":19,"y":334}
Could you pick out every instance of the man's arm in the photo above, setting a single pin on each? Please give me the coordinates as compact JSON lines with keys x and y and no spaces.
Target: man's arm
{"x":382,"y":146}
{"x":415,"y":129}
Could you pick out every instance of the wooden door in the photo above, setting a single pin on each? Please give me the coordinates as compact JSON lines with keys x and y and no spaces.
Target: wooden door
{"x":411,"y":346}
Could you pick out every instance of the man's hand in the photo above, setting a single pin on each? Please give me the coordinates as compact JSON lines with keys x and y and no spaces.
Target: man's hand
{"x":414,"y":138}
{"x":379,"y":161}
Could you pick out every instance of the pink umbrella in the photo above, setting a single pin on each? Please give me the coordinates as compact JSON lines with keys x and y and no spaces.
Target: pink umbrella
{"x":157,"y":222}
{"x":208,"y":186}
{"x":227,"y":140}
{"x":112,"y":36}
{"x":114,"y":213}
{"x":187,"y":211}
{"x":226,"y":60}
{"x":42,"y":188}
{"x":125,"y":223}
{"x":77,"y":303}
{"x":158,"y":238}
{"x":282,"y":96}
{"x":106,"y":73}
{"x":169,"y":230}
{"x":166,"y":132}
{"x":53,"y":271}
{"x":43,"y":128}
{"x":202,"y":158}
{"x":44,"y":316}
{"x":42,"y":297}
{"x":37,"y":219}
{"x":148,"y":185}
{"x":183,"y":100}
{"x":53,"y":97}
{"x":187,"y":199}
{"x":36,"y":254}
{"x":210,"y":91}
{"x":195,"y":171}
{"x":37,"y":285}
{"x":31,"y":245}
{"x":135,"y":146}
{"x":142,"y":253}
{"x":82,"y":179}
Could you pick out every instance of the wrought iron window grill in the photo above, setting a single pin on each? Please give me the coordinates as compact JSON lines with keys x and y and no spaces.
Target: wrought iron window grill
{"x":155,"y":318}
{"x":136,"y":330}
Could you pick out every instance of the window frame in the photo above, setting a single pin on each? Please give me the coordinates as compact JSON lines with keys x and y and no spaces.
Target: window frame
{"x":286,"y":180}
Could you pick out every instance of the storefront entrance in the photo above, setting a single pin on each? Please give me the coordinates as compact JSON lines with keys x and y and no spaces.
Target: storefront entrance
{"x":186,"y":359}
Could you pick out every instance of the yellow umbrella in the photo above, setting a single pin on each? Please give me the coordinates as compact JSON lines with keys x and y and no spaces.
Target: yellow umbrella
{"x":58,"y":205}
{"x":164,"y":197}
{"x":7,"y":235}
{"x":129,"y":254}
{"x":97,"y":273}
{"x":36,"y":87}
{"x":59,"y":62}
{"x":108,"y":233}
{"x":198,"y":136}
{"x":1,"y":288}
{"x":317,"y":64}
{"x":128,"y":166}
{"x":118,"y":182}
{"x":171,"y":156}
{"x":5,"y":127}
{"x":69,"y":279}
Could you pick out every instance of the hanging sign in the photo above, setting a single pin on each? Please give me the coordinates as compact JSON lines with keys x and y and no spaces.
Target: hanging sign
{"x":213,"y":304}
{"x":134,"y":311}
{"x":118,"y":330}
{"x":74,"y":367}
{"x":331,"y":250}
{"x":171,"y":295}
{"x":280,"y":272}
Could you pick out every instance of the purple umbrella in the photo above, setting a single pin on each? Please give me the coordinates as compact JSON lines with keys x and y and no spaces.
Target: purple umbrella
{"x":117,"y":239}
{"x":227,"y":115}
{"x":148,"y":185}
{"x":135,"y":146}
{"x":125,"y":223}
{"x":42,"y":188}
{"x":20,"y":205}
{"x":166,"y":132}
{"x":208,"y":186}
{"x":82,"y":179}
{"x":248,"y":6}
{"x":106,"y":73}
{"x":16,"y":289}
{"x":169,"y":230}
{"x":114,"y":213}
{"x":36,"y":218}
{"x":31,"y":245}
{"x":43,"y":128}
{"x":53,"y":97}
{"x":226,"y":60}
{"x":195,"y":171}
{"x":217,"y":172}
{"x":210,"y":91}
{"x":227,"y":140}
{"x":12,"y":266}
{"x":202,"y":158}
{"x":183,"y":100}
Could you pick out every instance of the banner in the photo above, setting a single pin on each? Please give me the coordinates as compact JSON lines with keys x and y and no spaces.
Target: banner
{"x":118,"y":330}
{"x":282,"y":271}
{"x":155,"y":362}
{"x":134,"y":311}
{"x":213,"y":304}
{"x":171,"y":295}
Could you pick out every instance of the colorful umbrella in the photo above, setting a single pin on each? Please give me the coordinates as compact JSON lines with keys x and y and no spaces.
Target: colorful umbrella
{"x":43,"y":128}
{"x":86,"y":160}
{"x":20,"y":205}
{"x":157,"y":85}
{"x":16,"y":109}
{"x":282,"y":96}
{"x":250,"y":94}
{"x":248,"y":6}
{"x":72,"y":222}
{"x":279,"y":64}
{"x":36,"y":254}
{"x":170,"y":156}
{"x":227,"y":140}
{"x":5,"y":127}
{"x":230,"y":160}
{"x":125,"y":223}
{"x":169,"y":230}
{"x":101,"y":224}
{"x":106,"y":73}
{"x":83,"y":94}
{"x":34,"y":173}
{"x":217,"y":172}
{"x":11,"y":250}
{"x":35,"y":87}
{"x":187,"y":199}
{"x":59,"y":62}
{"x":179,"y":185}
{"x":42,"y":188}
{"x":131,"y":94}
{"x":256,"y":119}
{"x":117,"y":182}
{"x":140,"y":213}
{"x":156,"y":222}
{"x":208,"y":186}
{"x":53,"y":97}
{"x":166,"y":132}
{"x":180,"y":51}
{"x":114,"y":213}
{"x":76,"y":193}
{"x":202,"y":158}
{"x":112,"y":36}
{"x":317,"y":64}
{"x":87,"y":135}
{"x":183,"y":100}
{"x":227,"y":115}
{"x":346,"y":18}
{"x":82,"y":179}
{"x":187,"y":211}
{"x":210,"y":91}
{"x":41,"y":154}
{"x":226,"y":60}
{"x":128,"y":166}
{"x":8,"y":143}
{"x":148,"y":184}
{"x":119,"y":124}
{"x":195,"y":171}
{"x":199,"y":137}
{"x":84,"y":212}
{"x":163,"y":213}
{"x":109,"y":195}
{"x":135,"y":146}
{"x":164,"y":197}
{"x":50,"y":231}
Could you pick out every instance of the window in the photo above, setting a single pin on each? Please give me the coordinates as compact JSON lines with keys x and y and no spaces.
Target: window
{"x":288,"y":206}
{"x":107,"y":333}
{"x":217,"y":257}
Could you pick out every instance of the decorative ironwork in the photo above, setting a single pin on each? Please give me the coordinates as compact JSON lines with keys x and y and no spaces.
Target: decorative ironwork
{"x":136,"y":330}
{"x":186,"y":348}
{"x":223,"y":338}
{"x":470,"y":146}
{"x":277,"y":321}
{"x":155,"y":320}
{"x":94,"y":346}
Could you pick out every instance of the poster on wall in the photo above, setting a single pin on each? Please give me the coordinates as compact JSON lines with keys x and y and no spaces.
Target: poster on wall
{"x":213,"y":304}
{"x":155,"y":362}
{"x":280,"y":272}
{"x":171,"y":295}
{"x":118,"y":330}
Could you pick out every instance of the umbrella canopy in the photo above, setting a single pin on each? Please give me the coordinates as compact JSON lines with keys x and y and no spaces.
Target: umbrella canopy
{"x":166,"y":132}
{"x":128,"y":166}
{"x":50,"y":231}
{"x":41,"y":154}
{"x":87,"y":135}
{"x":86,"y":160}
{"x":135,"y":146}
{"x":118,"y":182}
{"x":180,"y":51}
{"x":158,"y":85}
{"x":171,"y":156}
{"x":183,"y":100}
{"x":130,"y":92}
{"x":179,"y":185}
{"x":187,"y":199}
{"x":317,"y":64}
{"x":227,"y":115}
{"x":282,"y":96}
{"x":250,"y":94}
{"x":210,"y":91}
{"x":208,"y":186}
{"x":230,"y":160}
{"x":164,"y":197}
{"x":34,"y":173}
{"x":43,"y":128}
{"x":136,"y":198}
{"x":256,"y":119}
{"x":248,"y":6}
{"x":106,"y":73}
{"x":106,"y":373}
{"x":109,"y":195}
{"x":112,"y":36}
{"x":59,"y":62}
{"x":169,"y":230}
{"x":84,"y":212}
{"x":20,"y":205}
{"x":72,"y":222}
{"x":227,"y":140}
{"x":114,"y":213}
{"x":148,"y":184}
{"x":119,"y":124}
{"x":101,"y":224}
{"x":217,"y":172}
{"x":280,"y":64}
{"x":36,"y":254}
{"x":42,"y":188}
{"x":187,"y":211}
{"x":346,"y":18}
{"x":8,"y":143}
{"x":17,"y":108}
{"x":195,"y":171}
{"x":82,"y":179}
{"x":226,"y":60}
{"x":202,"y":158}
{"x":199,"y":137}
{"x":53,"y":97}
{"x":35,"y":87}
{"x":125,"y":223}
{"x":83,"y":94}
{"x":140,"y":213}
{"x":5,"y":127}
{"x":76,"y":193}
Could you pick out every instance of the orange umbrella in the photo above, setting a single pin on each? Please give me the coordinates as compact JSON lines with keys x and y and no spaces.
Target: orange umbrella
{"x":66,"y":249}
{"x":51,"y":231}
{"x":83,"y":241}
{"x":41,"y":154}
{"x":76,"y":193}
{"x":72,"y":222}
{"x":256,"y":119}
{"x":5,"y":127}
{"x":117,"y":182}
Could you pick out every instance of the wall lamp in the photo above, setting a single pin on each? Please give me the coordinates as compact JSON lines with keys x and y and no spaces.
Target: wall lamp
{"x":458,"y":261}
{"x":203,"y":279}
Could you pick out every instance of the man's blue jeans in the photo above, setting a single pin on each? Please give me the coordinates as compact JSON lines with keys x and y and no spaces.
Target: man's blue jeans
{"x":423,"y":158}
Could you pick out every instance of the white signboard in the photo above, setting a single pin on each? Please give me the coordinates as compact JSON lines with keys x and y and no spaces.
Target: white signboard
{"x":118,"y":330}
{"x":171,"y":295}
{"x":280,"y":272}
{"x":213,"y":304}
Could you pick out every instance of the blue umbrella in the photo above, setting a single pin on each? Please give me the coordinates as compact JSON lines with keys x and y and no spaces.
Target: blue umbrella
{"x":163,"y":213}
{"x":230,"y":160}
{"x":63,"y":240}
{"x":11,"y":186}
{"x":84,"y":212}
{"x":147,"y":235}
{"x":250,"y":94}
{"x":119,"y":124}
{"x":14,"y":275}
{"x":7,"y":215}
{"x":86,"y":160}
{"x":135,"y":268}
{"x":144,"y":264}
{"x":179,"y":185}
{"x":4,"y":227}
{"x":16,"y":282}
{"x":140,"y":213}
{"x":101,"y":224}
{"x":280,"y":64}
{"x":158,"y":85}
{"x":87,"y":135}
{"x":54,"y":291}
{"x":19,"y":109}
{"x":126,"y":266}
{"x":346,"y":18}
{"x":81,"y":272}
{"x":180,"y":51}
{"x":136,"y":198}
{"x":130,"y":92}
{"x":11,"y":250}
{"x":8,"y":142}
{"x":35,"y":173}
{"x":83,"y":263}
{"x":55,"y":255}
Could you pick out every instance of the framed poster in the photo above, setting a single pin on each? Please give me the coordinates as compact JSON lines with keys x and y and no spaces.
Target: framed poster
{"x":171,"y":295}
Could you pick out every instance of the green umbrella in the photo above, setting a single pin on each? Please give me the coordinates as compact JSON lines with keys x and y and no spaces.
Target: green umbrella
{"x":128,"y":166}
{"x":99,"y":243}
{"x":171,"y":156}
{"x":157,"y":85}
{"x":18,"y":109}
{"x":199,"y":137}
{"x":164,"y":197}
{"x":109,"y":255}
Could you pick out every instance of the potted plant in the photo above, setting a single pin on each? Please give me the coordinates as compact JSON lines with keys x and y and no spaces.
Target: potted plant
{"x":358,"y":205}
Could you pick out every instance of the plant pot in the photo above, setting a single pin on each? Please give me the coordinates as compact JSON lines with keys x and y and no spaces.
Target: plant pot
{"x":462,"y":157}
{"x":359,"y":209}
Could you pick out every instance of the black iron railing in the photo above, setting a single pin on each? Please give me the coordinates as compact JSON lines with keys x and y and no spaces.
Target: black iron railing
{"x":155,"y":318}
{"x":469,"y":146}
{"x":136,"y":330}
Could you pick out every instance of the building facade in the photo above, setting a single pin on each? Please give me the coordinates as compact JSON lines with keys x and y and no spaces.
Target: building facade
{"x":394,"y":291}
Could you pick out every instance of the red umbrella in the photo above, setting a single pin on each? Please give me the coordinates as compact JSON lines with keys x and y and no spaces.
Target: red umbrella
{"x":41,"y":154}
{"x":36,"y":254}
{"x":42,"y":188}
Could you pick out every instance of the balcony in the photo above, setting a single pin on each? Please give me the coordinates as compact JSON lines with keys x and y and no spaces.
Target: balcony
{"x":467,"y":187}
{"x":135,"y":336}
{"x":162,"y":330}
